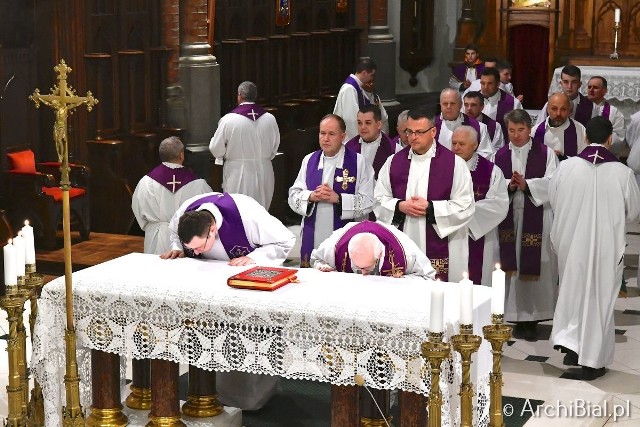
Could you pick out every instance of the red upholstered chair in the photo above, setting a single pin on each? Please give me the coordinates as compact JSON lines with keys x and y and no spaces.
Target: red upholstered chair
{"x":32,"y":191}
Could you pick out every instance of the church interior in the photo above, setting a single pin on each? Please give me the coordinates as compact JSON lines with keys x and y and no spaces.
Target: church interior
{"x":161,"y":68}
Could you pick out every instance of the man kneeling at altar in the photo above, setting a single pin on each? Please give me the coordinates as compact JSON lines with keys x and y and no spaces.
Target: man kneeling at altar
{"x":372,"y":248}
{"x":234,"y":228}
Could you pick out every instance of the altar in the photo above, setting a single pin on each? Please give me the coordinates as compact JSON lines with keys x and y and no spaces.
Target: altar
{"x":329,"y":327}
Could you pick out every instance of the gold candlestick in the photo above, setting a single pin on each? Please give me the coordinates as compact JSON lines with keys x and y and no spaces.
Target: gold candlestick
{"x":497,"y":334}
{"x":13,"y":305}
{"x":435,"y":351}
{"x":466,"y":344}
{"x":34,"y":283}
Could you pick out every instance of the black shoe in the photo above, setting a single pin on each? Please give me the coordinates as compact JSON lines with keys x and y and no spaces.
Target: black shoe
{"x":590,"y":374}
{"x":530,"y":331}
{"x":518,"y":330}
{"x":571,"y":358}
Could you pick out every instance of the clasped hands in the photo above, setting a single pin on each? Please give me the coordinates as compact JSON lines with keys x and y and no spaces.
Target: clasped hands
{"x":517,"y":182}
{"x":324,"y":193}
{"x":415,"y":206}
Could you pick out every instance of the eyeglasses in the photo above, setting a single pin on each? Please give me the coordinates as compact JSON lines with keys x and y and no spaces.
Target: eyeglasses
{"x":201,"y":248}
{"x":409,"y":132}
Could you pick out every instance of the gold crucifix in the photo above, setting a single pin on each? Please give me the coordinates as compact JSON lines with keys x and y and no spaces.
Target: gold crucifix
{"x":345,"y":179}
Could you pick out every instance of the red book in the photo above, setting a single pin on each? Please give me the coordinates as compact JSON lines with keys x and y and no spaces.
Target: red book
{"x":263,"y":278}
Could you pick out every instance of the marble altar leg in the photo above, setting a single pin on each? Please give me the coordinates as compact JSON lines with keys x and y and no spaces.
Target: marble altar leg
{"x":140,"y":396}
{"x":106,"y":409}
{"x":344,"y":406}
{"x":413,"y":409}
{"x":165,"y":403}
{"x":202,"y":398}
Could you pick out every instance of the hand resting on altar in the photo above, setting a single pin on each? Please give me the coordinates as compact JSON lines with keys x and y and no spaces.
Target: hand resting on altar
{"x":172,"y":254}
{"x":242,"y":260}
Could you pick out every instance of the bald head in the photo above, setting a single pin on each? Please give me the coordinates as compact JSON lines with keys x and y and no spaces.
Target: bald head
{"x":450,"y":103}
{"x":559,"y":109}
{"x":365,"y":249}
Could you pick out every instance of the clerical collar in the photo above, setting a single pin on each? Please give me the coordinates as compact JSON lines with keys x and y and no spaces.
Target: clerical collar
{"x":339,"y":155}
{"x":246,"y":102}
{"x":172,"y":165}
{"x":357,"y":79}
{"x":513,"y":147}
{"x":377,"y":140}
{"x":562,"y":127}
{"x":457,"y":121}
{"x":430,"y":153}
{"x":493,"y":99}
{"x":472,"y":163}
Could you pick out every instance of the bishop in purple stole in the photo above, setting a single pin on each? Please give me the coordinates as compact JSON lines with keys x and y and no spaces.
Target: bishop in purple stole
{"x":173,"y":179}
{"x":340,"y":186}
{"x":481,"y":178}
{"x":439,"y":188}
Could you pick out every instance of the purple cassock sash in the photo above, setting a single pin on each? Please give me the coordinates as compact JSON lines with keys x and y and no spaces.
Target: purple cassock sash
{"x":466,"y":120}
{"x":491,"y":125}
{"x":570,"y":137}
{"x":439,"y":188}
{"x":232,"y":234}
{"x":362,"y":98}
{"x":395,"y":259}
{"x":606,"y":110}
{"x":172,"y":179}
{"x":532,"y":219}
{"x":460,"y":70}
{"x":597,"y":154}
{"x":506,"y":103}
{"x":251,"y":111}
{"x":584,"y":110}
{"x":385,"y":149}
{"x":481,"y":178}
{"x":342,"y":184}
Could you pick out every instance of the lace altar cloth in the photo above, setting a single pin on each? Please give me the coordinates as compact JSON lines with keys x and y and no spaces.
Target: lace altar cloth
{"x":328,"y":327}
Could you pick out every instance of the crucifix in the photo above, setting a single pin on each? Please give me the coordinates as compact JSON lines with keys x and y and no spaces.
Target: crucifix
{"x":595,"y":156}
{"x":253,"y":114}
{"x":345,"y":179}
{"x":173,"y":183}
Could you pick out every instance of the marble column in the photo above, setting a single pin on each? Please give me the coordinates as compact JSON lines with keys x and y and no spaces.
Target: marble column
{"x":381,"y":47}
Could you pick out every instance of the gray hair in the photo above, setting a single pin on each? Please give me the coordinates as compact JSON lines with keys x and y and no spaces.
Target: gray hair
{"x":455,"y":92}
{"x":518,"y":116}
{"x":470,"y":131}
{"x":362,"y":242}
{"x":403,"y":116}
{"x":170,"y":149}
{"x":248,"y":91}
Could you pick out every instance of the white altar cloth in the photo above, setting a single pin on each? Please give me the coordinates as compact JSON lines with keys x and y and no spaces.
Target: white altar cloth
{"x":328,"y":327}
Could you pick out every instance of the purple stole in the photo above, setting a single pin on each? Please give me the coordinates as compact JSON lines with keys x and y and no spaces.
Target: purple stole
{"x":460,"y":70}
{"x":394,"y":260}
{"x":232,"y":234}
{"x":584,"y":110}
{"x":362,"y":99}
{"x":606,"y":109}
{"x":466,"y":120}
{"x":491,"y":125}
{"x":532,"y":220}
{"x":505,"y":104}
{"x":251,"y":111}
{"x":570,"y":137}
{"x":340,"y":185}
{"x":440,"y":184}
{"x":385,"y":149}
{"x":597,"y":154}
{"x":481,"y":178}
{"x":171,"y":179}
{"x":396,"y":140}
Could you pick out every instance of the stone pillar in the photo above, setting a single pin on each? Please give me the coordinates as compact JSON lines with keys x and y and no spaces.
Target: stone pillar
{"x":381,"y":47}
{"x":200,"y":81}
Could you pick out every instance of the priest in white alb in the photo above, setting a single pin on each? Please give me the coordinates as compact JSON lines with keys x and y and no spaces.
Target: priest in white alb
{"x":334,"y":186}
{"x":525,"y":249}
{"x":161,"y":192}
{"x":592,"y":195}
{"x":426,"y":191}
{"x":492,"y":204}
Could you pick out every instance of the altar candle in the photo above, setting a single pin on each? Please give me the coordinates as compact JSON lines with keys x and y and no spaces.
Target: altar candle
{"x":18,"y":244}
{"x":10,"y":275}
{"x":497,"y":291}
{"x":617,"y":16}
{"x":29,"y":248}
{"x":466,"y":301}
{"x":437,"y":309}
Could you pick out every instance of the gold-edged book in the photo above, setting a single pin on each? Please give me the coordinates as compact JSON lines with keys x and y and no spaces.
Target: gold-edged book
{"x":263,"y":278}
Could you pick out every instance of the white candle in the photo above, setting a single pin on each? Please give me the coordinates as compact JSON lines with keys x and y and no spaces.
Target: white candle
{"x":18,"y":244}
{"x":617,"y":16}
{"x":10,"y":276}
{"x":497,"y":291}
{"x":30,"y":248}
{"x":466,"y":301}
{"x":437,"y":309}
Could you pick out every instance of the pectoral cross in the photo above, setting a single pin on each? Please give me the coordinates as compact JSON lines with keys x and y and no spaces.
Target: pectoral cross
{"x":173,"y":183}
{"x":253,"y":114}
{"x":595,"y":157}
{"x":345,"y":179}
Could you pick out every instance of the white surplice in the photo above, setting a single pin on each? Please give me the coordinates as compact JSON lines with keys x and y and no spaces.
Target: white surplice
{"x":417,"y":262}
{"x":451,"y":215}
{"x":246,"y":148}
{"x":554,"y":137}
{"x":489,"y":213}
{"x":633,"y":140}
{"x":485,"y":149}
{"x":153,"y":206}
{"x":271,"y":239}
{"x":347,"y":107}
{"x":617,"y":121}
{"x":497,"y":139}
{"x":591,"y":204}
{"x":355,"y":206}
{"x":528,"y":300}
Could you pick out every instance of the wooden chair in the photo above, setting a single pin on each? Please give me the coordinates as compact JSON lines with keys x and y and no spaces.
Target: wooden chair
{"x":32,"y":191}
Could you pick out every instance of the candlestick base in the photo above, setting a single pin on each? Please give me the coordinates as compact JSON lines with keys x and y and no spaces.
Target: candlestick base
{"x":614,"y":55}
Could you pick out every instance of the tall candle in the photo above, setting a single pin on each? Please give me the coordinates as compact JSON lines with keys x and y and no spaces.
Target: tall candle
{"x":10,"y":274}
{"x":466,"y":301}
{"x":437,"y":310}
{"x":617,"y":16}
{"x":18,"y":244}
{"x":30,"y":248}
{"x":497,"y":291}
